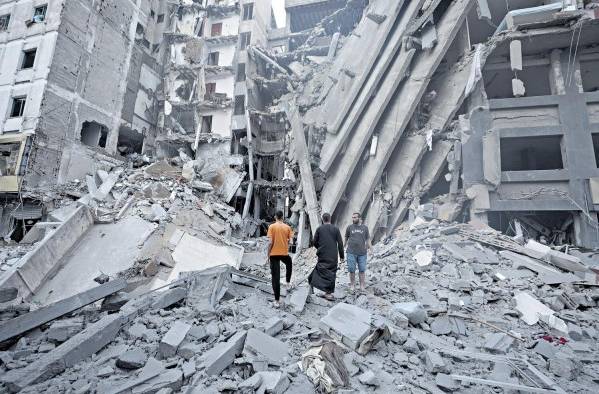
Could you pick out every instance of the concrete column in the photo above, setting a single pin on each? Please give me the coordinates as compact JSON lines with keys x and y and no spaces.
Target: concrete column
{"x":556,"y":77}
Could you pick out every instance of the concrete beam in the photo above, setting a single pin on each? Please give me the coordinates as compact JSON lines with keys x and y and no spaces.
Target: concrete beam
{"x":31,"y":320}
{"x":405,"y":102}
{"x":368,"y":34}
{"x":303,"y":159}
{"x":344,"y":126}
{"x":404,"y":163}
{"x":338,"y":176}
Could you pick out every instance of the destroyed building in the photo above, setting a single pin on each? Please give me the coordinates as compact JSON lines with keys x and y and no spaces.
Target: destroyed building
{"x":146,"y":145}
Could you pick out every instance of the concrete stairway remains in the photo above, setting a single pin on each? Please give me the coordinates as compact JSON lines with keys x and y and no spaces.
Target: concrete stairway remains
{"x":401,"y":109}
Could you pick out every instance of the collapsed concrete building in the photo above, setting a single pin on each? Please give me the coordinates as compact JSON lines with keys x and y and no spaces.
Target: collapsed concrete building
{"x":405,"y":125}
{"x":147,"y":144}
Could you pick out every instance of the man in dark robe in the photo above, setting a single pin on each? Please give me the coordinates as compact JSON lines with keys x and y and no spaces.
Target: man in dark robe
{"x":329,"y":245}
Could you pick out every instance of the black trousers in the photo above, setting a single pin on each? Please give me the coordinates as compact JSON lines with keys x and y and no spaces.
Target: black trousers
{"x":275,"y":273}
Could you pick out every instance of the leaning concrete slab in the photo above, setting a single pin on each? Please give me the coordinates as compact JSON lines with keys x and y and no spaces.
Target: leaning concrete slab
{"x":301,"y":155}
{"x":402,"y":107}
{"x":352,"y":71}
{"x":79,"y":347}
{"x":43,"y":315}
{"x":347,"y":323}
{"x":222,"y":355}
{"x":341,"y":129}
{"x":260,"y":344}
{"x":38,"y":264}
{"x":337,"y":176}
{"x":172,"y":339}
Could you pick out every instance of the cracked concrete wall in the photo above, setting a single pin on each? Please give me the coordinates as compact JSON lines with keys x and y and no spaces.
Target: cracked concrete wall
{"x":89,"y":80}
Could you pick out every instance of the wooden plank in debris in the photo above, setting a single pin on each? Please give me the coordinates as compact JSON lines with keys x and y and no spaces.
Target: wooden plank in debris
{"x":31,"y":320}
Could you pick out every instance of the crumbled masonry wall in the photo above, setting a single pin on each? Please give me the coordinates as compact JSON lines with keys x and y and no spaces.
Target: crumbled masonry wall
{"x":90,"y":79}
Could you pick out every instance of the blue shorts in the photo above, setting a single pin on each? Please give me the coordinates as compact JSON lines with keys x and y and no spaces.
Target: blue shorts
{"x":353,"y":259}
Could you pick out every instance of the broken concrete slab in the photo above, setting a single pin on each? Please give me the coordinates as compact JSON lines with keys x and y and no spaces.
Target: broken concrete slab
{"x":172,"y":339}
{"x":260,"y":344}
{"x":414,"y":311}
{"x":347,"y":323}
{"x":222,"y":354}
{"x":534,"y":311}
{"x":62,"y":330}
{"x":93,"y":338}
{"x":48,"y":313}
{"x":207,"y":287}
{"x":132,"y":359}
{"x":273,"y":326}
{"x":297,"y":299}
{"x":498,"y":342}
{"x":434,"y":362}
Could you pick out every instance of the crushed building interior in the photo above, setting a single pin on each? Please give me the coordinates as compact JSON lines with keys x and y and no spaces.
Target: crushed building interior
{"x":146,"y":146}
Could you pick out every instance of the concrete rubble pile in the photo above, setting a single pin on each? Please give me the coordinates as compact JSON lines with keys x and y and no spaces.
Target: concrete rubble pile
{"x":463,"y":131}
{"x":478,"y":312}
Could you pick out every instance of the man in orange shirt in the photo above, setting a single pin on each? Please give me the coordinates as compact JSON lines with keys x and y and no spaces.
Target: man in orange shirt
{"x":279,"y":234}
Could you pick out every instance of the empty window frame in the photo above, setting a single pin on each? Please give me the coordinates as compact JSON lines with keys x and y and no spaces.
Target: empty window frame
{"x":213,"y":58}
{"x":18,"y":106}
{"x":39,"y":13}
{"x":240,"y":77}
{"x":244,"y":39}
{"x":498,"y":82}
{"x":216,"y":29}
{"x":207,"y":124}
{"x":210,"y":88}
{"x":590,"y":75}
{"x":4,"y":21}
{"x":239,"y":105}
{"x":28,"y":58}
{"x":248,"y":12}
{"x":160,"y":18}
{"x":531,"y":153}
{"x":9,"y":157}
{"x":94,"y":134}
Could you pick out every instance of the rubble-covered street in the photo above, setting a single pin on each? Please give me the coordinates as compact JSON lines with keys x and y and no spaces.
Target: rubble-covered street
{"x":147,"y":147}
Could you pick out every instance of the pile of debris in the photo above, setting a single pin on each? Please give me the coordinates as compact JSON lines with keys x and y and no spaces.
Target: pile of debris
{"x":450,"y":307}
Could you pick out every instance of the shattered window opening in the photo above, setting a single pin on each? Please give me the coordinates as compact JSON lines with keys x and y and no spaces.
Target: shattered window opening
{"x":28,"y":58}
{"x":94,"y":134}
{"x":531,"y":153}
{"x":18,"y":106}
{"x":9,"y":155}
{"x":248,"y":12}
{"x":207,"y":124}
{"x":240,"y":72}
{"x":244,"y":40}
{"x":213,"y":58}
{"x":210,"y":88}
{"x":160,"y":18}
{"x":239,"y":105}
{"x":216,"y":30}
{"x":39,"y":13}
{"x":4,"y":21}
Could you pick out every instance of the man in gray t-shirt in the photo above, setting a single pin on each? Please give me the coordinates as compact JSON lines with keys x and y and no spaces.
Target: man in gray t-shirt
{"x":357,"y":240}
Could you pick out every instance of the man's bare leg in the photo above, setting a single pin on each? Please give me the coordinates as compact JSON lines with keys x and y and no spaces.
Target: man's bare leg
{"x":352,"y":281}
{"x":362,"y":280}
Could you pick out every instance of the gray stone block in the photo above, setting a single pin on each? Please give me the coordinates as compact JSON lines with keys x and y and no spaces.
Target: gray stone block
{"x":297,"y":299}
{"x":498,"y":342}
{"x":62,"y":330}
{"x":273,"y":350}
{"x":132,"y":359}
{"x":434,"y":362}
{"x":173,"y":338}
{"x":413,"y":310}
{"x":273,"y":326}
{"x":347,"y":323}
{"x":222,"y":355}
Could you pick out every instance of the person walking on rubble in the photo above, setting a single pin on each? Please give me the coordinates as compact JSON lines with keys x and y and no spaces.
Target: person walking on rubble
{"x":357,"y":240}
{"x":279,"y":234}
{"x":329,"y":245}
